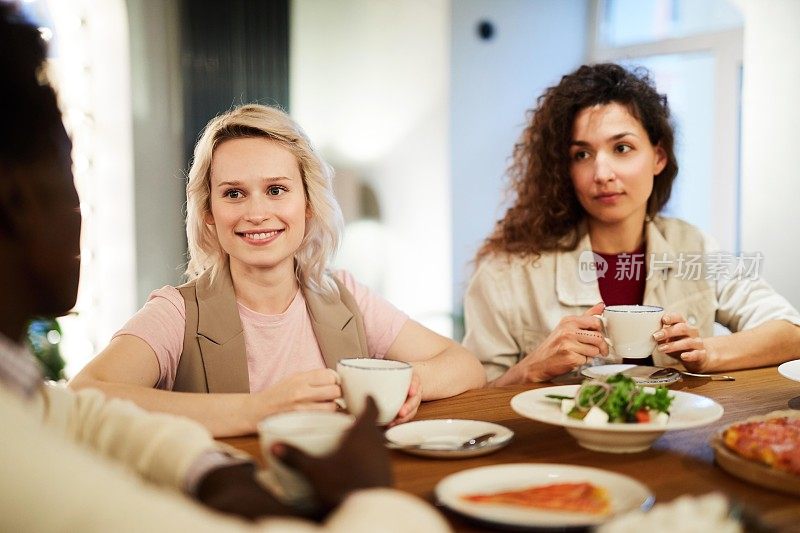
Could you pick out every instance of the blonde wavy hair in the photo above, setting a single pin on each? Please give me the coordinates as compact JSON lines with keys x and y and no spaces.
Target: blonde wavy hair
{"x":323,"y":228}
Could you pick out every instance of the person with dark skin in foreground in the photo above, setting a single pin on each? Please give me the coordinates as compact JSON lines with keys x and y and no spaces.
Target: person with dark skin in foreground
{"x":76,"y":461}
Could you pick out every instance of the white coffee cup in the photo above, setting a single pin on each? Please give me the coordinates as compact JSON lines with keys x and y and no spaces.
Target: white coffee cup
{"x":386,"y":381}
{"x":631,"y":328}
{"x":316,"y":433}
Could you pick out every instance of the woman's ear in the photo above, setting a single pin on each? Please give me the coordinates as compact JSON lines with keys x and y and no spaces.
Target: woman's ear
{"x":208,"y":218}
{"x":660,"y":160}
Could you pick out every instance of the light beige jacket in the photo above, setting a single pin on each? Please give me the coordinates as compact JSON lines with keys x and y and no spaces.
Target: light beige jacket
{"x":513,"y":303}
{"x":78,"y":462}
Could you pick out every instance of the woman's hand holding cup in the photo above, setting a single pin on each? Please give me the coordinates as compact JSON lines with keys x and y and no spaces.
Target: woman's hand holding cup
{"x":313,"y":390}
{"x":682,"y":341}
{"x":389,"y":383}
{"x":573,"y":343}
{"x":409,"y":408}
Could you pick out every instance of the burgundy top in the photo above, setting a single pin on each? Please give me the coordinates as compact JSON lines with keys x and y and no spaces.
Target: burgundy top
{"x":623,"y":284}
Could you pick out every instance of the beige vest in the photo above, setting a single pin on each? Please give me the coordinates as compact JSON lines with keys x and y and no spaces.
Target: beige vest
{"x":214,"y":358}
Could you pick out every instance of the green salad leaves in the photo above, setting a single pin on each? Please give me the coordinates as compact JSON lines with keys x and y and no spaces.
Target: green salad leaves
{"x":620,"y":398}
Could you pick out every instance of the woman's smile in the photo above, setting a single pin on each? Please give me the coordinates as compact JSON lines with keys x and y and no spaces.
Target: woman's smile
{"x":259,"y":237}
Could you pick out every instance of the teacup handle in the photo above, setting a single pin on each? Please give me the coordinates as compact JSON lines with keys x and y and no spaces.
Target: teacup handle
{"x":604,"y":321}
{"x":339,"y":401}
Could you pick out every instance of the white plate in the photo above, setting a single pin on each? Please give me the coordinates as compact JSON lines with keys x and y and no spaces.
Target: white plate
{"x":639,"y":374}
{"x":626,"y":494}
{"x":790,"y":370}
{"x":687,"y":411}
{"x":448,"y":433}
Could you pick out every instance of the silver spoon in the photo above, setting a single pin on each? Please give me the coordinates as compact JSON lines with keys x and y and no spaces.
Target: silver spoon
{"x":667,"y":372}
{"x":470,"y":444}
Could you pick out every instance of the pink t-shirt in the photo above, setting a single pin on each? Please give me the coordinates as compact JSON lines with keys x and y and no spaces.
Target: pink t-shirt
{"x":277,"y":346}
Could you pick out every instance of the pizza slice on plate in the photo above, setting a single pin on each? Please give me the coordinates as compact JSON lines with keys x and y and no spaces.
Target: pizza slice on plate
{"x":773,"y":440}
{"x":578,"y":497}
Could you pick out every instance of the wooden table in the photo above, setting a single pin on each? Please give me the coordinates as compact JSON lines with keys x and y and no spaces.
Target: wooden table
{"x":680,"y":462}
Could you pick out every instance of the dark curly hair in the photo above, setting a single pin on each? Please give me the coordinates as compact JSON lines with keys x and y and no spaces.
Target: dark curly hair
{"x":28,"y":105}
{"x":546,"y":214}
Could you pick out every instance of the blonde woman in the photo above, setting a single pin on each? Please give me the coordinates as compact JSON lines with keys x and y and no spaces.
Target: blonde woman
{"x":262,"y":321}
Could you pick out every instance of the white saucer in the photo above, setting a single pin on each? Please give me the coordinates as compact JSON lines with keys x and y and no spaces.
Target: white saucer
{"x":790,"y":370}
{"x":448,"y":432}
{"x":639,"y":374}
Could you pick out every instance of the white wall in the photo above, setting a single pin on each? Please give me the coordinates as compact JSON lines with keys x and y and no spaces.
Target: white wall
{"x":406,"y":97}
{"x":368,"y":83}
{"x":493,"y":83}
{"x":771,"y":113}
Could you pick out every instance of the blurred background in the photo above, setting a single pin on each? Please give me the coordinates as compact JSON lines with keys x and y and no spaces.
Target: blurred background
{"x":417,"y":104}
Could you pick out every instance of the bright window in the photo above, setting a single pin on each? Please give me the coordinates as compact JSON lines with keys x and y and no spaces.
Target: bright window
{"x":626,"y":22}
{"x":688,"y":80}
{"x":693,"y":48}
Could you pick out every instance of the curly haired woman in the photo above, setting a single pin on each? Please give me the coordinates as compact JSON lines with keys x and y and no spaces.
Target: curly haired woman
{"x":590,"y":175}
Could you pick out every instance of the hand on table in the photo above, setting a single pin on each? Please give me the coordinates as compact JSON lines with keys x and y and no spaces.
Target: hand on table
{"x":682,"y":341}
{"x":233,"y":489}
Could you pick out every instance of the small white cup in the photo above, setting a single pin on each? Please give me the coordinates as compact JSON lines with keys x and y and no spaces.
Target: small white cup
{"x":631,"y":328}
{"x":386,"y":381}
{"x":316,"y":433}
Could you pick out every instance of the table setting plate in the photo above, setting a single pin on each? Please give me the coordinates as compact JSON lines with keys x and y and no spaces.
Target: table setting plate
{"x":625,"y":494}
{"x":639,"y":374}
{"x":441,"y":434}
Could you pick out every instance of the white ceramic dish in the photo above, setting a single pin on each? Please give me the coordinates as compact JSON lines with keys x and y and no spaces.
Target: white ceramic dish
{"x":790,"y":370}
{"x":626,"y":494}
{"x":687,"y":411}
{"x":639,"y":374}
{"x":448,"y":433}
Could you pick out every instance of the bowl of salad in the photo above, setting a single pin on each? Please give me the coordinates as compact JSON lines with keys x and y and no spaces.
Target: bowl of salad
{"x":616,"y":414}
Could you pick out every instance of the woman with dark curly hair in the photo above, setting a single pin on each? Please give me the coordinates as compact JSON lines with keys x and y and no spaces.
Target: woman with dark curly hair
{"x":592,"y":171}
